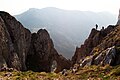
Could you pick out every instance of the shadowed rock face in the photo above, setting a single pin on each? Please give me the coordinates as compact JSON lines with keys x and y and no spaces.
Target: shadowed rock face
{"x":42,"y":53}
{"x":22,"y":50}
{"x":15,"y":42}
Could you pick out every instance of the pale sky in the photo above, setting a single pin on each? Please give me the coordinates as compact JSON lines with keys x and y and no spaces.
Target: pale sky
{"x":18,"y":6}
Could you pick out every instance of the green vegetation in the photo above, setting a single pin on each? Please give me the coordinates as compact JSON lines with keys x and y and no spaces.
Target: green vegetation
{"x":86,"y":73}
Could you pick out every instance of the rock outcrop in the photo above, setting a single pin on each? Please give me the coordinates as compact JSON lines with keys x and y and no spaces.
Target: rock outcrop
{"x":103,"y":48}
{"x":15,"y":40}
{"x":21,"y":50}
{"x":109,"y":56}
{"x":42,"y":54}
{"x":85,"y":49}
{"x":95,"y":38}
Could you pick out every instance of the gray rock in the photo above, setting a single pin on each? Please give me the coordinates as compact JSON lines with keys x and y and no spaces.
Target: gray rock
{"x":87,"y":61}
{"x":110,"y":56}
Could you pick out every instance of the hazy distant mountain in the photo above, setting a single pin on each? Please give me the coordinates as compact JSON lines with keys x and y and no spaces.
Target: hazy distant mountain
{"x":67,"y":28}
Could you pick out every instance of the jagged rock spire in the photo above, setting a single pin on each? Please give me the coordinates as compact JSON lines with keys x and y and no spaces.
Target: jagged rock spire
{"x":118,"y":23}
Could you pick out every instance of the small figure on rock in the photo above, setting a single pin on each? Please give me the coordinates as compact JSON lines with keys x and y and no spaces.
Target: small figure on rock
{"x":102,"y":28}
{"x":96,"y":26}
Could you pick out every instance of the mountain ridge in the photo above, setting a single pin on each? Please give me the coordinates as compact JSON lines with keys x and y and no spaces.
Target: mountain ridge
{"x":98,"y":58}
{"x":64,"y":23}
{"x":100,"y":48}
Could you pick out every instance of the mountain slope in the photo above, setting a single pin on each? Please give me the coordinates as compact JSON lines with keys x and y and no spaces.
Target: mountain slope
{"x":64,"y":25}
{"x":101,"y":48}
{"x":22,"y":50}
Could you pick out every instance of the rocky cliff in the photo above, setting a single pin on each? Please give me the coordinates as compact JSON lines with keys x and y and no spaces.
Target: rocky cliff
{"x":15,"y":40}
{"x":101,"y":47}
{"x":22,"y":50}
{"x":42,"y":54}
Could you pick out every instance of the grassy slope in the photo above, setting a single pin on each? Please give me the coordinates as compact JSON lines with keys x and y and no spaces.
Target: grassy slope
{"x":86,"y":73}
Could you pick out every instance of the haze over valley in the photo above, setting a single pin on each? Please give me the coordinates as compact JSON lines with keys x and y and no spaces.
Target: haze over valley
{"x":68,"y":28}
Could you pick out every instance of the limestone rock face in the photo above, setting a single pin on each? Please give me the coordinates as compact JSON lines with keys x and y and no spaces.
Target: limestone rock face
{"x":103,"y":49}
{"x":109,"y":56}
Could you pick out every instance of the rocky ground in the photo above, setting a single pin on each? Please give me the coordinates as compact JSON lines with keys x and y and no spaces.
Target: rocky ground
{"x":86,"y":73}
